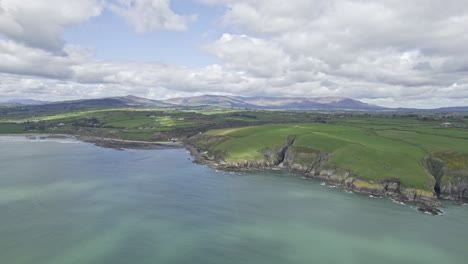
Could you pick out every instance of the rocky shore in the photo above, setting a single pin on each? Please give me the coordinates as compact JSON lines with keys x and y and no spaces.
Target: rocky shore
{"x":310,"y":164}
{"x":121,"y":144}
{"x":316,"y":166}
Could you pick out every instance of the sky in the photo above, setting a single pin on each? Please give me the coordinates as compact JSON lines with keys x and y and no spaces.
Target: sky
{"x":394,"y":53}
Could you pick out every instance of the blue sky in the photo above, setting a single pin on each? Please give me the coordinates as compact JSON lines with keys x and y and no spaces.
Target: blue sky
{"x":112,"y":38}
{"x":389,"y":53}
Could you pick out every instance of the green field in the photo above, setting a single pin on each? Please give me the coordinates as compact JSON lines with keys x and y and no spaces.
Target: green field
{"x":372,"y":150}
{"x":11,"y":128}
{"x":131,"y":124}
{"x":139,"y":123}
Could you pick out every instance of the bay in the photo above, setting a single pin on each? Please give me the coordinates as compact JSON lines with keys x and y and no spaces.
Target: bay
{"x":66,"y":202}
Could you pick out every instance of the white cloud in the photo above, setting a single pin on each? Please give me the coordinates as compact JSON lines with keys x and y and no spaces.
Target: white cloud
{"x":20,"y":59}
{"x":373,"y":49}
{"x":150,"y":15}
{"x":254,"y":56}
{"x":394,"y":53}
{"x":40,"y":23}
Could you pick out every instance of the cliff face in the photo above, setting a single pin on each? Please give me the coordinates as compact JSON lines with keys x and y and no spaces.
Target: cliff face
{"x":451,"y":182}
{"x":314,"y":164}
{"x":450,"y":173}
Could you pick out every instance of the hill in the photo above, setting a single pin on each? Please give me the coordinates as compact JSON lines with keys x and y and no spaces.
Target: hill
{"x":23,"y":101}
{"x":109,"y":102}
{"x":218,"y":101}
{"x":211,"y":100}
{"x":296,"y":103}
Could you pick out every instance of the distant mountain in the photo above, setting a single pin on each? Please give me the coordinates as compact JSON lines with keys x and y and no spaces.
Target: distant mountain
{"x":452,"y":109}
{"x":21,"y":101}
{"x":211,"y":100}
{"x":298,"y":103}
{"x":311,"y":103}
{"x":287,"y":103}
{"x":123,"y":101}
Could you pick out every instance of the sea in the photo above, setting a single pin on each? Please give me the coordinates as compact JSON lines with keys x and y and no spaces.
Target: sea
{"x":63,"y":201}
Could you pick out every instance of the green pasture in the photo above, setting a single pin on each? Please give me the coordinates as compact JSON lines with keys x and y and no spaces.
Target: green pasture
{"x":373,"y":154}
{"x":11,"y":128}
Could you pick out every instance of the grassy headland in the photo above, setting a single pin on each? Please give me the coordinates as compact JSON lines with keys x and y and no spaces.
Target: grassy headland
{"x":374,"y":151}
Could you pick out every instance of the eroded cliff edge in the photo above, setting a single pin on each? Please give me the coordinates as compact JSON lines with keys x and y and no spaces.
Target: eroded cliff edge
{"x":449,"y":183}
{"x":450,"y":171}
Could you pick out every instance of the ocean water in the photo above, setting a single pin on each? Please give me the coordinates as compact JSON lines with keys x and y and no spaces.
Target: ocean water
{"x":67,"y":202}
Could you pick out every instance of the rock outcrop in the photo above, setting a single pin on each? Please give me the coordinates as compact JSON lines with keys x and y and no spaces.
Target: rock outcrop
{"x":312,"y":163}
{"x":318,"y":167}
{"x":451,"y":175}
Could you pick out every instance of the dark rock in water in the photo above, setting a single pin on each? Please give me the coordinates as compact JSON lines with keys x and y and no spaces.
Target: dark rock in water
{"x":430,"y":210}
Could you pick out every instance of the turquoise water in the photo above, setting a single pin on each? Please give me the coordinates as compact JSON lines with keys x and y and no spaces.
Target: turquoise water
{"x":68,"y":202}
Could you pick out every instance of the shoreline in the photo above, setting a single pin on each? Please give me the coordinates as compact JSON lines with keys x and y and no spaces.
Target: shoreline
{"x":117,"y":144}
{"x":121,"y":144}
{"x":31,"y":136}
{"x":337,"y":179}
{"x":427,"y":204}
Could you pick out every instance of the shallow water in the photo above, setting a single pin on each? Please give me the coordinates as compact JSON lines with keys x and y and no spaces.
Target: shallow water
{"x":77,"y":203}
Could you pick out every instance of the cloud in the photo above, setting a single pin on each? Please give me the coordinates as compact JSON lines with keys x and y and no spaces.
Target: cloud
{"x":150,"y":15}
{"x":393,"y":53}
{"x":372,"y":49}
{"x":254,"y":56}
{"x":40,"y":23}
{"x":16,"y":58}
{"x":39,"y":74}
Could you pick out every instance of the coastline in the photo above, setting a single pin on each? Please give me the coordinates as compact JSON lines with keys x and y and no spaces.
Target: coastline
{"x":32,"y":136}
{"x":335,"y":177}
{"x":121,"y":144}
{"x":424,"y":201}
{"x":118,"y":144}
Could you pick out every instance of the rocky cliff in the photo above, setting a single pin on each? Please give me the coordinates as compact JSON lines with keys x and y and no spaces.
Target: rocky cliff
{"x":450,"y":171}
{"x":451,"y":182}
{"x":314,"y":164}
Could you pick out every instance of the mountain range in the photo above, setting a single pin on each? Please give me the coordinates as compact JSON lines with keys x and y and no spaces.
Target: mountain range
{"x":20,"y":101}
{"x":297,"y":103}
{"x":259,"y":102}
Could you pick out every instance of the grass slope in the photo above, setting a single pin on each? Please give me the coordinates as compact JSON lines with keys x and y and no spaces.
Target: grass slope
{"x":372,"y":151}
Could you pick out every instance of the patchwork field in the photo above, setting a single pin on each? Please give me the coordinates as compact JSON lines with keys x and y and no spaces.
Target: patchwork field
{"x":140,"y":123}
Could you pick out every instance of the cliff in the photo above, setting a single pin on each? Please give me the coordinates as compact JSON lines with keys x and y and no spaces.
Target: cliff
{"x":450,"y":182}
{"x":450,"y":171}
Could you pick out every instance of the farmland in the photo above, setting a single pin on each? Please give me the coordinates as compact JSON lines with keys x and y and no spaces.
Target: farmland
{"x":375,"y":149}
